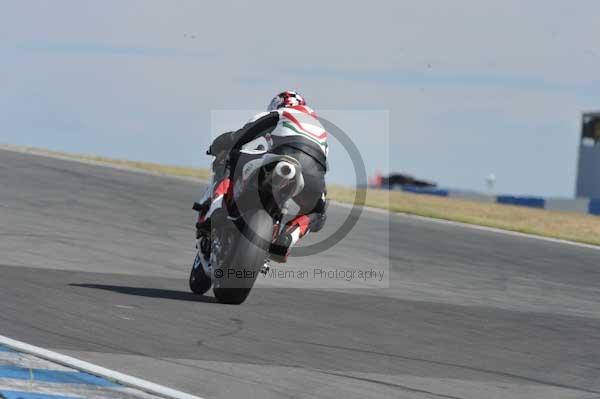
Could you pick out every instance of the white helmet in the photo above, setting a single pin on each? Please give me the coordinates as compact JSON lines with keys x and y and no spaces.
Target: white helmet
{"x":286,"y":99}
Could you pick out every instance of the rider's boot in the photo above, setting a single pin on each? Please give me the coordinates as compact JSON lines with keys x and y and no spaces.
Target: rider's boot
{"x":297,"y":228}
{"x":293,"y":231}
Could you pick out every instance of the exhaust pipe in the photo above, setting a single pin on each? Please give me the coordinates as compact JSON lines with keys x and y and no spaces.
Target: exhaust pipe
{"x":285,"y":170}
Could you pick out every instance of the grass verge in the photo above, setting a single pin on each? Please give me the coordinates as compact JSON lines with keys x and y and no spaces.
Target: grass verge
{"x":562,"y":225}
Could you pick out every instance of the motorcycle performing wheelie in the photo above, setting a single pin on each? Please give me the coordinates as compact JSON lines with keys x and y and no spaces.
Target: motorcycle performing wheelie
{"x":277,"y":161}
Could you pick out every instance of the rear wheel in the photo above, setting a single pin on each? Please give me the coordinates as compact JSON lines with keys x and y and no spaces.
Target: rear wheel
{"x":239,"y":267}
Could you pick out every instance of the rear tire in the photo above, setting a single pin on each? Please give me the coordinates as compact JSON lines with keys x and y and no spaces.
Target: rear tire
{"x":240,"y":267}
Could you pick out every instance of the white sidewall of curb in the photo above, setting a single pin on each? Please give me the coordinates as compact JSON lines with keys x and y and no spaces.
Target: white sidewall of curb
{"x":115,"y":376}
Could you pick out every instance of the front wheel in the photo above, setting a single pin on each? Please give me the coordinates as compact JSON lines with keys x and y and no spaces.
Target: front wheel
{"x":241,"y":264}
{"x":199,"y":281}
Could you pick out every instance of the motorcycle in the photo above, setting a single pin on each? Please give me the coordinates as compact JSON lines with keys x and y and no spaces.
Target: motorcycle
{"x":245,"y":217}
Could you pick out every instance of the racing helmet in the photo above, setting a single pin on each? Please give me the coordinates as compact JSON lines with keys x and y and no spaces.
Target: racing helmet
{"x":286,"y":99}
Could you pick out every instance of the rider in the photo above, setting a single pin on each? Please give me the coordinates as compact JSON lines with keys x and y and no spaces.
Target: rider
{"x":290,"y":128}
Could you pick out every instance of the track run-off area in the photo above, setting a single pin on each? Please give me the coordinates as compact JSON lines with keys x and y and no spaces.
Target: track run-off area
{"x":95,"y":260}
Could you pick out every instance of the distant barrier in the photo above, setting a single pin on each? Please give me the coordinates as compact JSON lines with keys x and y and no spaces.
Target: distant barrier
{"x":532,"y":202}
{"x":426,"y":190}
{"x":594,"y":207}
{"x":579,"y":205}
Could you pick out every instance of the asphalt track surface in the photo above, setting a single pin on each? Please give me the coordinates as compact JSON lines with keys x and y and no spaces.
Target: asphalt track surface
{"x":94,"y":264}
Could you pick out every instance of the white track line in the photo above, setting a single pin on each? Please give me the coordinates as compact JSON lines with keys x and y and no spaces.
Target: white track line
{"x":120,"y":378}
{"x":335,"y":203}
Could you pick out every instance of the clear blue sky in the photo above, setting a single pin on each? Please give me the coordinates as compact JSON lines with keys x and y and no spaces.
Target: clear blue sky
{"x":470,"y":87}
